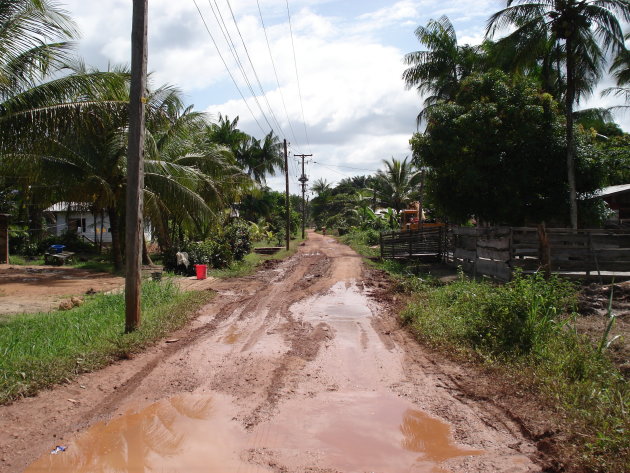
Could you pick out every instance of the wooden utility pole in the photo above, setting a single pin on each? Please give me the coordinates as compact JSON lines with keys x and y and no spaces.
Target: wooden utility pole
{"x":303,"y":180}
{"x":135,"y":165}
{"x":286,"y":177}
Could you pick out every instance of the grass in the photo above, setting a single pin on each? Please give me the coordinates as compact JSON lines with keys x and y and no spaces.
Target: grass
{"x":525,"y":330}
{"x":39,"y":350}
{"x":18,"y":260}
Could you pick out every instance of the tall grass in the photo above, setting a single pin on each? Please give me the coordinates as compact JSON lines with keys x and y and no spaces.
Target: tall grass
{"x":38,"y":350}
{"x":525,"y":326}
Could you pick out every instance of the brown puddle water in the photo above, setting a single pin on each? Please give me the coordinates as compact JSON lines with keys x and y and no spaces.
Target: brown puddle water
{"x":351,"y":432}
{"x":367,"y":431}
{"x":183,"y":434}
{"x":232,"y":336}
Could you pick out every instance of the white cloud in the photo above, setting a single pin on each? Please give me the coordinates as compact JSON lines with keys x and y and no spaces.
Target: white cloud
{"x":356,"y":107}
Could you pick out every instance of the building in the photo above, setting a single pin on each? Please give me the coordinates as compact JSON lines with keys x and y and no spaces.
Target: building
{"x":78,"y":217}
{"x":618,"y":199}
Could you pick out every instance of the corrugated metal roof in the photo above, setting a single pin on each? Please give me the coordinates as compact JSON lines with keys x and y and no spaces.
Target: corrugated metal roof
{"x":74,"y":207}
{"x":606,"y":191}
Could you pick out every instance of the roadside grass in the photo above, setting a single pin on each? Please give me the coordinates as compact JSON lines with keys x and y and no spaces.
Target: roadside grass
{"x":19,"y":260}
{"x":525,"y":329}
{"x":39,"y":350}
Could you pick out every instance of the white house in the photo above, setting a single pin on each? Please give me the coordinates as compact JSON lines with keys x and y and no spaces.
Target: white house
{"x":78,"y":217}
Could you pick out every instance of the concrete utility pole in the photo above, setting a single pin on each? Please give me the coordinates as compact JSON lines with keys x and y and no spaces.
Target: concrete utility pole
{"x":303,"y":180}
{"x":286,"y":177}
{"x":135,"y":165}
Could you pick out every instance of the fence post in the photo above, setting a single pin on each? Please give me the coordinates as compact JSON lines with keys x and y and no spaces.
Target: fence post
{"x":380,"y":237}
{"x":4,"y":238}
{"x":589,"y":252}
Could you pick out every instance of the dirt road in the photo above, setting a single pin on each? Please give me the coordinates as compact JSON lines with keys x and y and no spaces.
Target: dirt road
{"x":299,"y":368}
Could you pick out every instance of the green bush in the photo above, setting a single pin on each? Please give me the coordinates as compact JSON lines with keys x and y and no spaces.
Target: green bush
{"x":526,"y":326}
{"x":238,"y":236}
{"x":508,"y":320}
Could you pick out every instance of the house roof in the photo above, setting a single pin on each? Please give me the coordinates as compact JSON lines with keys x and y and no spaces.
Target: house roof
{"x":74,"y":207}
{"x":612,"y":190}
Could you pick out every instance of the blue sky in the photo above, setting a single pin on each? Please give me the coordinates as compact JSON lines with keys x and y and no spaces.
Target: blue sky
{"x":349,"y":58}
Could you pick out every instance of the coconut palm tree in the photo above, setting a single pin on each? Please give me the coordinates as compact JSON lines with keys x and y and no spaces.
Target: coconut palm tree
{"x":586,"y":30}
{"x":620,"y":69}
{"x":397,"y":184}
{"x":439,"y":70}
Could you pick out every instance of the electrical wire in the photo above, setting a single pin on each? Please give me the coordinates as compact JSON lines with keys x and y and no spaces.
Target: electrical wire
{"x":275,"y":71}
{"x":218,"y":16}
{"x":227,"y":68}
{"x":346,"y":167}
{"x":297,"y":76}
{"x":273,"y":115}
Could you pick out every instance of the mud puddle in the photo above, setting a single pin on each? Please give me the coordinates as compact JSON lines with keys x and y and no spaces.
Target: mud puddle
{"x":355,"y":432}
{"x":191,"y":433}
{"x":351,"y":432}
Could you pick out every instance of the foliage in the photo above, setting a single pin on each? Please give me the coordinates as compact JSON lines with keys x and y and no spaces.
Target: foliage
{"x":616,"y":152}
{"x":586,"y":30}
{"x":498,"y":153}
{"x":437,"y":72}
{"x":226,"y":244}
{"x":523,"y":326}
{"x":397,"y":184}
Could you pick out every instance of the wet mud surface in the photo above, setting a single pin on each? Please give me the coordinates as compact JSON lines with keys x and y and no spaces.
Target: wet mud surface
{"x":298,"y":368}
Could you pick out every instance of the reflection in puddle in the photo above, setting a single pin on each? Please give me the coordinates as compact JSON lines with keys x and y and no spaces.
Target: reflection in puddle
{"x":353,"y":432}
{"x":369,"y":432}
{"x":232,"y":336}
{"x":185,"y":433}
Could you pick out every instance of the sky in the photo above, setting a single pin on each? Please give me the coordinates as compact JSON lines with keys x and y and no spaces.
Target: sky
{"x":340,"y":97}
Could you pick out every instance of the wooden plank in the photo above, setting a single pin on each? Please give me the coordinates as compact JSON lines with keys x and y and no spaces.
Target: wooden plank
{"x":500,"y":255}
{"x":613,"y":253}
{"x":495,"y":269}
{"x":465,"y":231}
{"x":465,"y":254}
{"x":494,"y":243}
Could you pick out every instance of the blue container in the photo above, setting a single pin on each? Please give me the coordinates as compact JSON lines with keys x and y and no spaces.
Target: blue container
{"x":57,"y":248}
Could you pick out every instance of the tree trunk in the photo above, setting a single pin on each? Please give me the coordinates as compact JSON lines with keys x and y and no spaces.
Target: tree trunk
{"x":116,"y":249}
{"x":570,"y":99}
{"x":146,"y":259}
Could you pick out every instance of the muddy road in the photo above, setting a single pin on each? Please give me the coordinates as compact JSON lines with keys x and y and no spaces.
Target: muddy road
{"x":298,"y":368}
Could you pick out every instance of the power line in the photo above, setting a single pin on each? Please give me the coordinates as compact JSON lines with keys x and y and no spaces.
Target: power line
{"x":218,"y":16}
{"x":273,"y":115}
{"x":346,"y":167}
{"x":275,"y":71}
{"x":227,"y":68}
{"x":297,"y":76}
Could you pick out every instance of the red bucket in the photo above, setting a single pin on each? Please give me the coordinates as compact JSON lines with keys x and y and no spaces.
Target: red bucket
{"x":202,"y":271}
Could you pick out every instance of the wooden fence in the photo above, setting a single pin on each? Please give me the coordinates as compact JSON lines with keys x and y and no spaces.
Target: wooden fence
{"x":498,"y":251}
{"x":428,"y":242}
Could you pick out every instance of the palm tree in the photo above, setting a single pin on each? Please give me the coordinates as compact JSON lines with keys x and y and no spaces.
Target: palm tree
{"x":586,"y":30}
{"x":439,"y":70}
{"x":34,"y":38}
{"x":620,"y":69}
{"x":321,"y":186}
{"x":397,"y":184}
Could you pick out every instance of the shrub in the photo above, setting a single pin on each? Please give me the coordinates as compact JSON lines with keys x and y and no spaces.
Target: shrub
{"x":238,"y":236}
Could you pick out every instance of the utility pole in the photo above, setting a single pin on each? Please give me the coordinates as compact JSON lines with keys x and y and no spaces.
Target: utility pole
{"x":135,"y":165}
{"x":303,"y":180}
{"x":286,"y":177}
